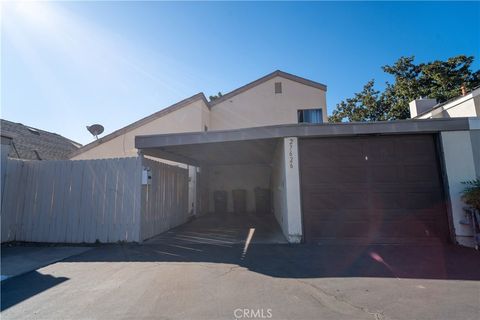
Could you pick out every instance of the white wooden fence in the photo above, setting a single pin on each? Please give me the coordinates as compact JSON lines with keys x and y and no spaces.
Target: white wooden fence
{"x":88,"y":200}
{"x":165,"y":200}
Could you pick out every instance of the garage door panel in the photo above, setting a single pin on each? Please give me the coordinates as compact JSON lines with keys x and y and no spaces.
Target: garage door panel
{"x":344,"y":152}
{"x":331,"y":200}
{"x":408,"y":228}
{"x":383,"y":189}
{"x":421,"y":173}
{"x":323,"y":174}
{"x":384,"y":173}
{"x":356,"y":215}
{"x":387,"y":200}
{"x":380,"y":150}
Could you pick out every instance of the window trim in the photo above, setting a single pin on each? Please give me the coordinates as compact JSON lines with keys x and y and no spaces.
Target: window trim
{"x":300,"y":114}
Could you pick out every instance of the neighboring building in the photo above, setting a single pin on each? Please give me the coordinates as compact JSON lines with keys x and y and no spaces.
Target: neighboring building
{"x":30,"y":143}
{"x":467,"y":105}
{"x":277,"y":98}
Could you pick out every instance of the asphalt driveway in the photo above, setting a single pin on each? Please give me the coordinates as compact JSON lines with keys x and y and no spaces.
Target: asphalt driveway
{"x":180,"y":280}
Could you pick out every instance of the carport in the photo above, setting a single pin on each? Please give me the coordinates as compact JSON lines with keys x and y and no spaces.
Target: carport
{"x":247,"y":159}
{"x":381,"y":182}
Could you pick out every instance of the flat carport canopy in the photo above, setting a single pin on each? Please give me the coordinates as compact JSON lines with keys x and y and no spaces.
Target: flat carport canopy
{"x":257,"y":145}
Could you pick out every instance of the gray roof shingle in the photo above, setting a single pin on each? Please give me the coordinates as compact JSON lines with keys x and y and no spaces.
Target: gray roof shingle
{"x":34,"y":144}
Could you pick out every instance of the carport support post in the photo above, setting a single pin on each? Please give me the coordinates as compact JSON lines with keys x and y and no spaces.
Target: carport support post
{"x":292,"y":188}
{"x":460,"y":158}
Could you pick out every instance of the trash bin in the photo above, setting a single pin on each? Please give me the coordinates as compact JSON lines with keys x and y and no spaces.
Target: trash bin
{"x":220,"y":199}
{"x":239,"y":201}
{"x":262,"y":201}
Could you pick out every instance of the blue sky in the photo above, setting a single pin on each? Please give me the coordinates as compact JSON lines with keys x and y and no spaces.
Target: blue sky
{"x":65,"y":65}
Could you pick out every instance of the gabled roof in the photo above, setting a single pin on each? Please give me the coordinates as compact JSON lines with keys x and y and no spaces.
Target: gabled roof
{"x":141,"y":122}
{"x":35,"y":144}
{"x":198,"y":96}
{"x":277,"y":73}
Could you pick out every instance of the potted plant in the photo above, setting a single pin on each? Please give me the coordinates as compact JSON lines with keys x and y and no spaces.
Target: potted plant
{"x":471,"y":196}
{"x":471,"y":193}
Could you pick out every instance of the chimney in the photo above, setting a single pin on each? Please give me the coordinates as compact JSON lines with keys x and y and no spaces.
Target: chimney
{"x":464,"y":90}
{"x":421,"y":105}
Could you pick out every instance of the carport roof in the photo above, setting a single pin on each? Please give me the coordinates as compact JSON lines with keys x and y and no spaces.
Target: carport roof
{"x":256,"y":145}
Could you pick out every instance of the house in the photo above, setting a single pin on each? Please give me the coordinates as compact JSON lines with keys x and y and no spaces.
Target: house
{"x":362,"y":183}
{"x":467,"y":105}
{"x":30,"y":143}
{"x":277,"y":98}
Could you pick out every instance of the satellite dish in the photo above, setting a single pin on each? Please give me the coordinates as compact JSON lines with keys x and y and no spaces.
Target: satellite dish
{"x":95,"y":129}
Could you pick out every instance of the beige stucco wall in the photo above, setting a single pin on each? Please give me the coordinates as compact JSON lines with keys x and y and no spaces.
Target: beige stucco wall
{"x":190,"y":118}
{"x":260,"y":106}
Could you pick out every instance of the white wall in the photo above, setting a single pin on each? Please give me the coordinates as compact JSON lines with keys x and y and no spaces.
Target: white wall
{"x":286,"y":189}
{"x":466,"y":106}
{"x":260,"y":106}
{"x":459,"y":160}
{"x":231,"y":177}
{"x":292,"y":178}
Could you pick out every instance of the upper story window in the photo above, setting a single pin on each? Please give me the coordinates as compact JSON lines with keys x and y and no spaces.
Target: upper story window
{"x":310,"y":116}
{"x":278,"y":87}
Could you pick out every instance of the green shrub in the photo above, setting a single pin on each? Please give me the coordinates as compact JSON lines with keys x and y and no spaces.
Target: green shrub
{"x":471,"y":193}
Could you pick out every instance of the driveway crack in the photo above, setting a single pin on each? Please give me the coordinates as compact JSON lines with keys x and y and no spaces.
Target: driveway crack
{"x":230,"y":270}
{"x":379,"y":315}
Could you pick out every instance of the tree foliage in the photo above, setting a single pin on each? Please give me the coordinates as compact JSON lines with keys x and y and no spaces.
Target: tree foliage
{"x":440,"y":80}
{"x":215,"y":97}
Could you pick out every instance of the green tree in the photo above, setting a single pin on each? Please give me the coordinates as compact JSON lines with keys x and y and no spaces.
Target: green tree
{"x":215,"y":97}
{"x":440,"y":80}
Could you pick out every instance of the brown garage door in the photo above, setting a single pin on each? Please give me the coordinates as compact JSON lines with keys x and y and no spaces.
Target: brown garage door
{"x":375,"y":189}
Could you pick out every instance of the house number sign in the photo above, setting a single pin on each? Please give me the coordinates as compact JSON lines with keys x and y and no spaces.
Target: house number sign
{"x":290,"y":154}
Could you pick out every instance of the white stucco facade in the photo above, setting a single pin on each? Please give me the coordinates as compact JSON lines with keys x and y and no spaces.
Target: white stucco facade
{"x":465,"y":106}
{"x":461,"y":161}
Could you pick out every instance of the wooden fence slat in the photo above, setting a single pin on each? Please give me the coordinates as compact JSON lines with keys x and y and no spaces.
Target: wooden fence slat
{"x":30,"y":202}
{"x":102,"y":231}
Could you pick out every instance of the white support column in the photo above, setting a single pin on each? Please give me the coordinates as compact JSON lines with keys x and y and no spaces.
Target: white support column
{"x":459,"y":166}
{"x":192,"y":190}
{"x":292,"y":188}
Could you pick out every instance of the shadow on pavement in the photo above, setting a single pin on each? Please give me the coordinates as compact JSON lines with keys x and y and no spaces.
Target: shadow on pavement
{"x":33,"y":283}
{"x":308,"y":261}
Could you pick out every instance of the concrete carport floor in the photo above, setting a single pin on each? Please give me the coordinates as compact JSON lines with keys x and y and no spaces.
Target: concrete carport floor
{"x":224,"y":230}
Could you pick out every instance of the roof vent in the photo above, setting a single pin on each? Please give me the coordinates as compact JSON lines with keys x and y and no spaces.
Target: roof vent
{"x":34,"y":131}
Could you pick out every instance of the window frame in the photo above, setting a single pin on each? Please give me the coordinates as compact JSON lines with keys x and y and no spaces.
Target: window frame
{"x":300,"y":114}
